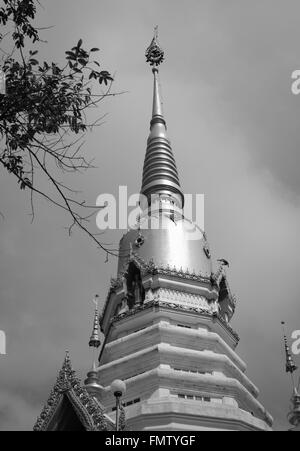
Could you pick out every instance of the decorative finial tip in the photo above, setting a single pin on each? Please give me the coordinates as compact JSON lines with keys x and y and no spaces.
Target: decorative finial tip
{"x":154,"y":53}
{"x":96,"y":300}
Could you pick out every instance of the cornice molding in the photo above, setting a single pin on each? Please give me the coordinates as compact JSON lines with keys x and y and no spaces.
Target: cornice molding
{"x":171,"y":306}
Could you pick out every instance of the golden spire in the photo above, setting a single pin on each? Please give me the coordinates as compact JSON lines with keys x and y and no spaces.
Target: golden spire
{"x":95,"y":337}
{"x":160,"y":176}
{"x":92,"y":383}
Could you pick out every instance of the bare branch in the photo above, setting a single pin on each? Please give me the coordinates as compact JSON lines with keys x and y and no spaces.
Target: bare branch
{"x":44,"y":116}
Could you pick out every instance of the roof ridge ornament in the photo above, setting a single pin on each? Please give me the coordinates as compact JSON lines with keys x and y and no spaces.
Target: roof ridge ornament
{"x":154,"y":53}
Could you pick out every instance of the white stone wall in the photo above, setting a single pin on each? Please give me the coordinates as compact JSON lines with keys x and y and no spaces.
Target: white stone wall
{"x":163,"y":354}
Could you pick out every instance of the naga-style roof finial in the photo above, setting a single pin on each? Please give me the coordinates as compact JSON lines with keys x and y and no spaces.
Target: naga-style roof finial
{"x":154,"y":53}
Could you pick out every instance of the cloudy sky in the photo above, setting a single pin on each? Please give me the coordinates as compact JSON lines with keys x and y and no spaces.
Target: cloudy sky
{"x":234,"y":127}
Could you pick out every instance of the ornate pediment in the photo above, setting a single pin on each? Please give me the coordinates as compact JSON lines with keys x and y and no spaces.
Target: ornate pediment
{"x":71,"y":407}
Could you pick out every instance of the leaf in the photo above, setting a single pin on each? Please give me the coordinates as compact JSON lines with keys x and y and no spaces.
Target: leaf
{"x":95,"y":49}
{"x":105,"y":76}
{"x":82,"y":61}
{"x":79,"y":43}
{"x":70,"y":56}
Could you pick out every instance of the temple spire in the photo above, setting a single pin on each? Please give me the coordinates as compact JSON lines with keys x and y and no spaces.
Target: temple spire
{"x":92,"y":383}
{"x":157,"y":109}
{"x":95,"y":337}
{"x":155,"y":56}
{"x":160,"y":175}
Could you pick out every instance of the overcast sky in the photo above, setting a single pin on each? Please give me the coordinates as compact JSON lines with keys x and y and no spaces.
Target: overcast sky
{"x":234,"y":127}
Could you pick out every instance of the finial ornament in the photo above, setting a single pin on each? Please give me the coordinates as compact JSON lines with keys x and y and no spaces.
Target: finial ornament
{"x":154,"y":53}
{"x":95,"y":338}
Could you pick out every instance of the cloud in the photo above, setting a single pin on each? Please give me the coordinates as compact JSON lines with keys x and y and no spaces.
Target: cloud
{"x":15,"y":413}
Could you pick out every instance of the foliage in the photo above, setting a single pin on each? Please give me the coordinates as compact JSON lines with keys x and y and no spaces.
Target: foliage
{"x":43,"y":106}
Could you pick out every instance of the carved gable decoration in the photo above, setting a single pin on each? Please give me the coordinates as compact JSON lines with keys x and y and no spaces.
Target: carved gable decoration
{"x":70,"y":407}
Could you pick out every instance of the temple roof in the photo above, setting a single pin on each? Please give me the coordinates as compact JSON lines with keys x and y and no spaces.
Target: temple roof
{"x":70,"y":407}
